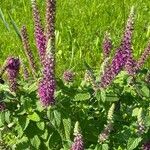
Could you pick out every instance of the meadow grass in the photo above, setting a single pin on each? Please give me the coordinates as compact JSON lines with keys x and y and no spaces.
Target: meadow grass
{"x":80,"y":26}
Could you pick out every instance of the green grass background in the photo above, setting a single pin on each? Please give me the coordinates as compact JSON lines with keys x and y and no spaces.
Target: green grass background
{"x":80,"y":26}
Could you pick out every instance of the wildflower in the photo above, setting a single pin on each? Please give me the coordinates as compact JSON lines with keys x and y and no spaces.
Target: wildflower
{"x":78,"y":140}
{"x":104,"y":135}
{"x":121,"y":57}
{"x":68,"y":76}
{"x":50,"y":21}
{"x":130,"y":63}
{"x":47,"y":85}
{"x":146,"y":146}
{"x":107,"y":45}
{"x":25,"y":40}
{"x":13,"y":65}
{"x":143,"y":58}
{"x":39,"y":33}
{"x":25,"y":71}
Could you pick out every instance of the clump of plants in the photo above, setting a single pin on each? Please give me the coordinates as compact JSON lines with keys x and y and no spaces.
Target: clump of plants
{"x":109,"y":109}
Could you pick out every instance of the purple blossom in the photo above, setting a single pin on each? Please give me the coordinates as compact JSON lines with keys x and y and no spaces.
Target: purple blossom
{"x":104,"y":135}
{"x":143,"y":58}
{"x":146,"y":146}
{"x":2,"y":106}
{"x":121,"y":57}
{"x":13,"y":65}
{"x":68,"y":76}
{"x":107,"y":45}
{"x":78,"y":142}
{"x":127,"y":42}
{"x":29,"y":54}
{"x":50,"y":20}
{"x":39,"y":33}
{"x":25,"y":71}
{"x":47,"y":84}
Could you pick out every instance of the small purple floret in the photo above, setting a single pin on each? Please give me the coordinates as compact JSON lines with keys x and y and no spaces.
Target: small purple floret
{"x":13,"y":66}
{"x":78,"y":142}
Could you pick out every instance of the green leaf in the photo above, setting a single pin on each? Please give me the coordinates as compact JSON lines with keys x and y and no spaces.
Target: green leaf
{"x":57,"y":117}
{"x":133,"y":143}
{"x":67,"y":128}
{"x":15,"y":27}
{"x":34,"y":117}
{"x":40,"y":125}
{"x":135,"y":111}
{"x":24,"y":122}
{"x":105,"y":147}
{"x":36,"y":142}
{"x":2,"y":17}
{"x":2,"y":118}
{"x":7,"y":117}
{"x":145,"y":91}
{"x":112,"y":98}
{"x":103,"y":95}
{"x":82,"y":96}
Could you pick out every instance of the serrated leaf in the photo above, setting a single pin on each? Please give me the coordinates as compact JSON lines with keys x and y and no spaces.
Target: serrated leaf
{"x":112,"y":98}
{"x":7,"y":117}
{"x":67,"y":128}
{"x":34,"y":117}
{"x":145,"y":90}
{"x":40,"y":125}
{"x":23,"y":122}
{"x":2,"y":118}
{"x":36,"y":142}
{"x":57,"y":117}
{"x":103,"y":95}
{"x":82,"y":97}
{"x":133,"y":143}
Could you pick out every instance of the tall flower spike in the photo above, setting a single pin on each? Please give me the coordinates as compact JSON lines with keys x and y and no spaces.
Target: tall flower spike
{"x":25,"y":71}
{"x":108,"y":128}
{"x":26,"y":44}
{"x":13,"y":65}
{"x":143,"y":58}
{"x":50,"y":21}
{"x":120,"y":58}
{"x":39,"y":33}
{"x":107,"y":45}
{"x":78,"y":140}
{"x":47,"y":85}
{"x":127,"y":40}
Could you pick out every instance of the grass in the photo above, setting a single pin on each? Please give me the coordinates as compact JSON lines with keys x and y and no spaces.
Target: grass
{"x":80,"y":26}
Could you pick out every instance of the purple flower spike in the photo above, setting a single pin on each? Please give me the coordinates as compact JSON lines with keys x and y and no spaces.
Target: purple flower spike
{"x":50,"y":20}
{"x":146,"y":146}
{"x":13,"y":66}
{"x":78,"y":143}
{"x":47,"y":84}
{"x":107,"y":45}
{"x":68,"y":76}
{"x":39,"y":33}
{"x":143,"y":58}
{"x":25,"y":40}
{"x":121,"y":57}
{"x":127,"y":44}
